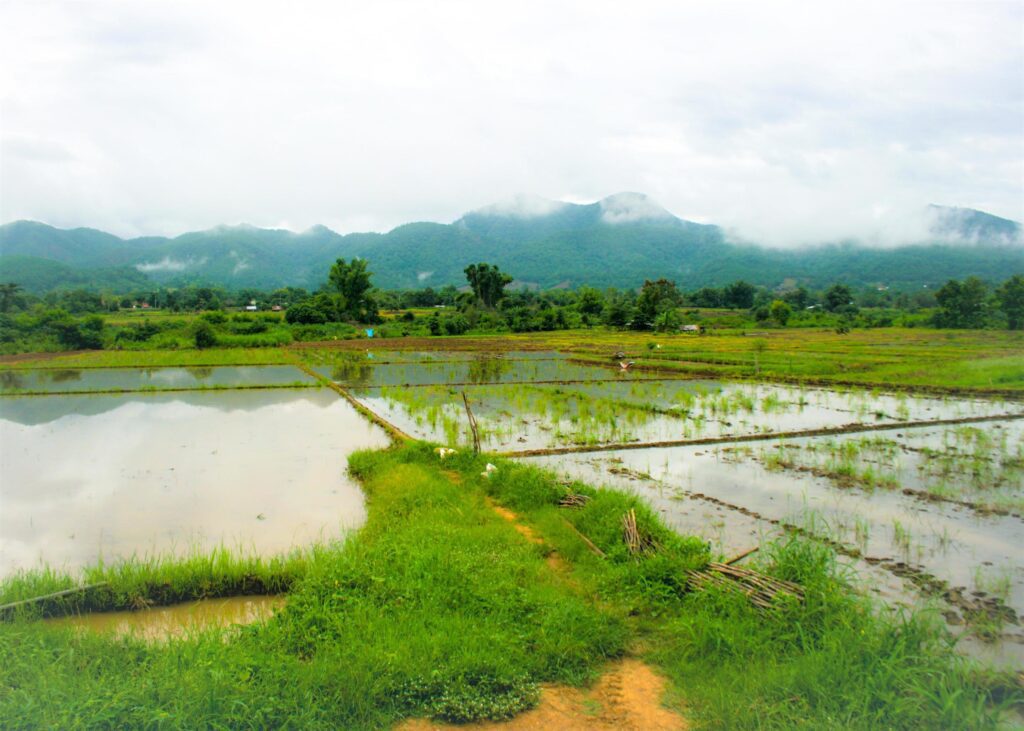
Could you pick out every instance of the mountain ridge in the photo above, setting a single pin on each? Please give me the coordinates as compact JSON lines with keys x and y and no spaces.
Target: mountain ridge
{"x":619,"y":241}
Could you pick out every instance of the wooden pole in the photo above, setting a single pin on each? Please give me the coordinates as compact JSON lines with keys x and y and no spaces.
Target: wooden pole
{"x":472,"y":424}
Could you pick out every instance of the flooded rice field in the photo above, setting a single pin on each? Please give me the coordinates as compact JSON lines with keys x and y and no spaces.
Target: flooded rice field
{"x":66,"y":380}
{"x":924,"y":530}
{"x":112,"y":476}
{"x":922,"y":497}
{"x":518,"y":417}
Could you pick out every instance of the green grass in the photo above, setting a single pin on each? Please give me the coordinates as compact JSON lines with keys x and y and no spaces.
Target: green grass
{"x":159,"y":358}
{"x":438,"y":607}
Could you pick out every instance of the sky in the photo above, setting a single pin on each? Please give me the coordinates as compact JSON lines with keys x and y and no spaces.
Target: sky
{"x":785,"y":123}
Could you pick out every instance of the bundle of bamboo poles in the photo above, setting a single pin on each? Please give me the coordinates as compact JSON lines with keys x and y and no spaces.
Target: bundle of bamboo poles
{"x":574,"y":500}
{"x":636,"y":542}
{"x":761,"y":590}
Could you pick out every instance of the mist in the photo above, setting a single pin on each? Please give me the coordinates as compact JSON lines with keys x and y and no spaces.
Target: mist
{"x":787,"y":125}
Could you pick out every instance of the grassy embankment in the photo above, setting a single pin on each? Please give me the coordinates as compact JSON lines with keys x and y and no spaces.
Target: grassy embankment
{"x":438,"y":607}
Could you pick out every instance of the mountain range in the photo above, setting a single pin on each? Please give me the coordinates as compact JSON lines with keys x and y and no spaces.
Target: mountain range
{"x":618,"y":241}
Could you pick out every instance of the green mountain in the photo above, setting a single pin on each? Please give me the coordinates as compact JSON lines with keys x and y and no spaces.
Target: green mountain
{"x":39,"y":275}
{"x":618,"y":241}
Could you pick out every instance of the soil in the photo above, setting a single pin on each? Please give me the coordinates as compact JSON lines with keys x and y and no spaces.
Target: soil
{"x":524,"y":530}
{"x":627,"y":696}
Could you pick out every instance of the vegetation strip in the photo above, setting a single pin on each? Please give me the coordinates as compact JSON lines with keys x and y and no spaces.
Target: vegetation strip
{"x":690,"y":373}
{"x":827,"y":431}
{"x":172,"y":389}
{"x":396,"y":434}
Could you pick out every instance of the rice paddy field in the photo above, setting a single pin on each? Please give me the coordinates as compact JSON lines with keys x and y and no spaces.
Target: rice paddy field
{"x":921,"y":494}
{"x":213,"y":504}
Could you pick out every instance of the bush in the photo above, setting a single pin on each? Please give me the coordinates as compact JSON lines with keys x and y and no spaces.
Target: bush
{"x":304,"y":313}
{"x":204,"y":335}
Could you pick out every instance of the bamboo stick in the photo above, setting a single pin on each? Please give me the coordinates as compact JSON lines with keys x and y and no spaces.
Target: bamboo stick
{"x":54,"y":595}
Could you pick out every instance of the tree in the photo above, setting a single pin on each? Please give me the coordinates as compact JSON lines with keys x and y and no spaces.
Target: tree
{"x":739,"y":295}
{"x":352,"y":283}
{"x":798,"y":298}
{"x":1010,"y":297}
{"x":706,"y":297}
{"x":487,"y":282}
{"x":8,"y":292}
{"x":780,"y":312}
{"x":961,"y":305}
{"x":839,"y":298}
{"x":590,"y":301}
{"x":655,"y":298}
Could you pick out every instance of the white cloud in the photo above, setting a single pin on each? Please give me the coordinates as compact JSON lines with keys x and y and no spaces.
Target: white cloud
{"x":523,"y":206}
{"x":168,"y":264}
{"x":630,"y":207}
{"x":785,"y":122}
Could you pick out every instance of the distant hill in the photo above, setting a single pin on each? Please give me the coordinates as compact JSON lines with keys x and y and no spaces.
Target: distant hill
{"x":618,"y":241}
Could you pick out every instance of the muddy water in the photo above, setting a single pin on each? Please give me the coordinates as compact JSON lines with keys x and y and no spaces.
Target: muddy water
{"x":113,"y":476}
{"x":53,"y":380}
{"x":518,"y":417}
{"x":160,"y":623}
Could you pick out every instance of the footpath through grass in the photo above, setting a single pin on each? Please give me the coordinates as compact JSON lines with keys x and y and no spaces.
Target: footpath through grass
{"x":439,"y":608}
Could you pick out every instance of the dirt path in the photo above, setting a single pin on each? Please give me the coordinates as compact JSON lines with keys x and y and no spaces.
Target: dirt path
{"x":627,"y":697}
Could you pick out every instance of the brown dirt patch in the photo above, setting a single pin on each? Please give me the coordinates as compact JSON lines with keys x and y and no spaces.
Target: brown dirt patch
{"x":627,"y":696}
{"x":524,"y":530}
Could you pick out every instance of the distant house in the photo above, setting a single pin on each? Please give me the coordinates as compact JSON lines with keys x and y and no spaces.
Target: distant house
{"x":251,"y":307}
{"x":275,"y":308}
{"x":691,"y":328}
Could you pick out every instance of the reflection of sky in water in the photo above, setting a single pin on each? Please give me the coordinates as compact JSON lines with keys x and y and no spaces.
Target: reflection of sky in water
{"x":101,"y":379}
{"x":116,"y":475}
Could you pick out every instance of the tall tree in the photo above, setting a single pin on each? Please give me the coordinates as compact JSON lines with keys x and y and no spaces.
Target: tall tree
{"x":488,"y":283}
{"x":1010,"y":297}
{"x":351,"y":280}
{"x":656,"y":298}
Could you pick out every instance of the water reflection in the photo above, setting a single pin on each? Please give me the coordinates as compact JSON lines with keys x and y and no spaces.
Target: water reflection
{"x":11,"y":381}
{"x":111,"y":476}
{"x":355,"y":373}
{"x":488,"y":369}
{"x":61,"y":376}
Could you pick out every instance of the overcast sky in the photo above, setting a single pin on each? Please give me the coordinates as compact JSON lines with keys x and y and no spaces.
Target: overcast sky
{"x":784,"y":122}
